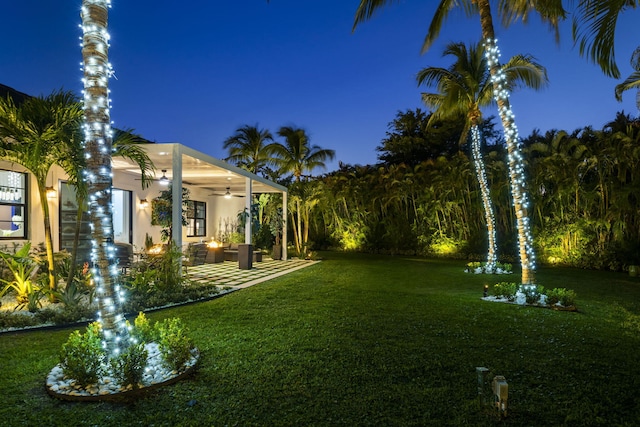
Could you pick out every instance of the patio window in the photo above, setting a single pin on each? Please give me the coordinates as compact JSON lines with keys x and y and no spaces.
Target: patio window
{"x":13,"y":199}
{"x":196,"y":219}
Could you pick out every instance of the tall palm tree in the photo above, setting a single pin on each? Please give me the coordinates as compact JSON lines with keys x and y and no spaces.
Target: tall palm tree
{"x":98,"y":148}
{"x":297,"y":156}
{"x":510,"y":10}
{"x":463,"y":89}
{"x":250,"y":148}
{"x":37,"y":134}
{"x":633,"y":81}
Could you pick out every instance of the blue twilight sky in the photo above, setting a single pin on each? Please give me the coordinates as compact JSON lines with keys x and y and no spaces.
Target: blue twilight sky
{"x":194,"y":72}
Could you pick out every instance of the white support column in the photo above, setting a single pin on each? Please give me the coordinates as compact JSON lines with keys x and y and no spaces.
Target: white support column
{"x":284,"y":226}
{"x":247,"y":225}
{"x":176,"y":196}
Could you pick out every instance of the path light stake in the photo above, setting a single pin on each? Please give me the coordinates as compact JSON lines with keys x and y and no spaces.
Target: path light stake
{"x":482,"y":379}
{"x":500,"y":394}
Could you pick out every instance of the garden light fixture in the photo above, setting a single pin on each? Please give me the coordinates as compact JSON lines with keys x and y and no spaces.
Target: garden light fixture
{"x":51,"y":193}
{"x":500,"y":393}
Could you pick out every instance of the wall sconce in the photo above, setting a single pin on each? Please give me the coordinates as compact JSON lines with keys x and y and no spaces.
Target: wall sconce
{"x":144,"y":204}
{"x":51,"y":193}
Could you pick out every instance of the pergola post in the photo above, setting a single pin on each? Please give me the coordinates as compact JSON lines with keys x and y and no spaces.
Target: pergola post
{"x":176,"y":196}
{"x":284,"y":225}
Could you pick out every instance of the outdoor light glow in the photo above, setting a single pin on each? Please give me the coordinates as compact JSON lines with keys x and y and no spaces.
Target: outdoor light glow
{"x":516,"y":164}
{"x":97,"y":139}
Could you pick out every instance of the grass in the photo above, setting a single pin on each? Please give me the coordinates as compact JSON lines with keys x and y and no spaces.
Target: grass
{"x":371,"y":340}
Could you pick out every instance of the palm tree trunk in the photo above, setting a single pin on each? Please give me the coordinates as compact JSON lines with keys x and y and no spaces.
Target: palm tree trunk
{"x":516,"y":164}
{"x":48,"y":241}
{"x":486,"y":197}
{"x":76,"y":241}
{"x":98,"y":139}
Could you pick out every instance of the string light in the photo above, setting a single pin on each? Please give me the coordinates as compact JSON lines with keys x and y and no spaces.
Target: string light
{"x":486,"y":198}
{"x":516,"y":163}
{"x":98,"y":175}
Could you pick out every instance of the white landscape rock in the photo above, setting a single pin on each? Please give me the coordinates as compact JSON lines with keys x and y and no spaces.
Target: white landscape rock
{"x":155,"y":373}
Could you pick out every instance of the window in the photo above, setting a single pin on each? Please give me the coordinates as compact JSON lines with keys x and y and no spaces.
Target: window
{"x":196,"y":219}
{"x":121,"y":211}
{"x":13,"y":208}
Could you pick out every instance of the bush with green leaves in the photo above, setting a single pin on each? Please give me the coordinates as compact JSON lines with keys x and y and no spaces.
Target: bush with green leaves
{"x":143,"y":331}
{"x":128,"y":367}
{"x":532,"y":294}
{"x":175,"y":344}
{"x":505,"y":290}
{"x":82,"y":356}
{"x":563,"y":296}
{"x":23,"y":270}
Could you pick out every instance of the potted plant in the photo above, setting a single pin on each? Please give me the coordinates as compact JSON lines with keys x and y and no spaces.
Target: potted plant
{"x":276,"y":224}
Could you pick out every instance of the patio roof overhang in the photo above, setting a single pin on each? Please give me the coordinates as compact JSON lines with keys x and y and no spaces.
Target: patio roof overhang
{"x":186,"y":166}
{"x":199,"y":170}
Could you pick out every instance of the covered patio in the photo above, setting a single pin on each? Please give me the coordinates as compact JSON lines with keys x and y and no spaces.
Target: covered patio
{"x":209,"y":178}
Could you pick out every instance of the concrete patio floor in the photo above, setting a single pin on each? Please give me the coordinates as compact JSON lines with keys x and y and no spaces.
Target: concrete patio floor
{"x":227,"y":274}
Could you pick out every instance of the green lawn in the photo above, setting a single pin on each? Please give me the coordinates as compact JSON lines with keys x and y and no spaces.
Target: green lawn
{"x":371,"y":340}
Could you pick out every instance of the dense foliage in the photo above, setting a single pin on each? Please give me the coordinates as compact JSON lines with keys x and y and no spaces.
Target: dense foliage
{"x":584,"y":190}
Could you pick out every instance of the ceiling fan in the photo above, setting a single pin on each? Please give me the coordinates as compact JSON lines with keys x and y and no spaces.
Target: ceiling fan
{"x":227,"y":194}
{"x":163,"y":180}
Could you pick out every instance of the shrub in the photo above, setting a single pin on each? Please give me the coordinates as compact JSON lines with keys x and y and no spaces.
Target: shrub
{"x":505,"y":290}
{"x":143,"y":330}
{"x":566,"y":297}
{"x":532,"y":294}
{"x":128,"y":367}
{"x":82,"y":356}
{"x":175,"y":345}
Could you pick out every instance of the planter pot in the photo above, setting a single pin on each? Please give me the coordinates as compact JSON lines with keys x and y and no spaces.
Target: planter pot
{"x":634,"y":270}
{"x":276,"y":252}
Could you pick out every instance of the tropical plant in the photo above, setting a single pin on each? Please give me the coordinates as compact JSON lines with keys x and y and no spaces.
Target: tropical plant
{"x":633,"y":81}
{"x":296,"y":157}
{"x":250,"y":148}
{"x":594,"y":30}
{"x":510,"y":10}
{"x":463,"y":89}
{"x":161,"y":211}
{"x":125,"y":144}
{"x":23,"y":270}
{"x":38,"y":134}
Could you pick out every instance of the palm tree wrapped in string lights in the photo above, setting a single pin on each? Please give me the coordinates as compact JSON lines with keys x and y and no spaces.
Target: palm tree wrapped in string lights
{"x":98,"y":175}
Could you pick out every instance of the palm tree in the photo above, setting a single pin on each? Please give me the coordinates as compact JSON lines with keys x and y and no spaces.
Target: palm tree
{"x":125,"y":144}
{"x":463,"y":89}
{"x":594,"y":29}
{"x":98,"y":148}
{"x":37,"y":134}
{"x":250,"y":148}
{"x":510,"y":10}
{"x":633,"y":81}
{"x":297,"y":157}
